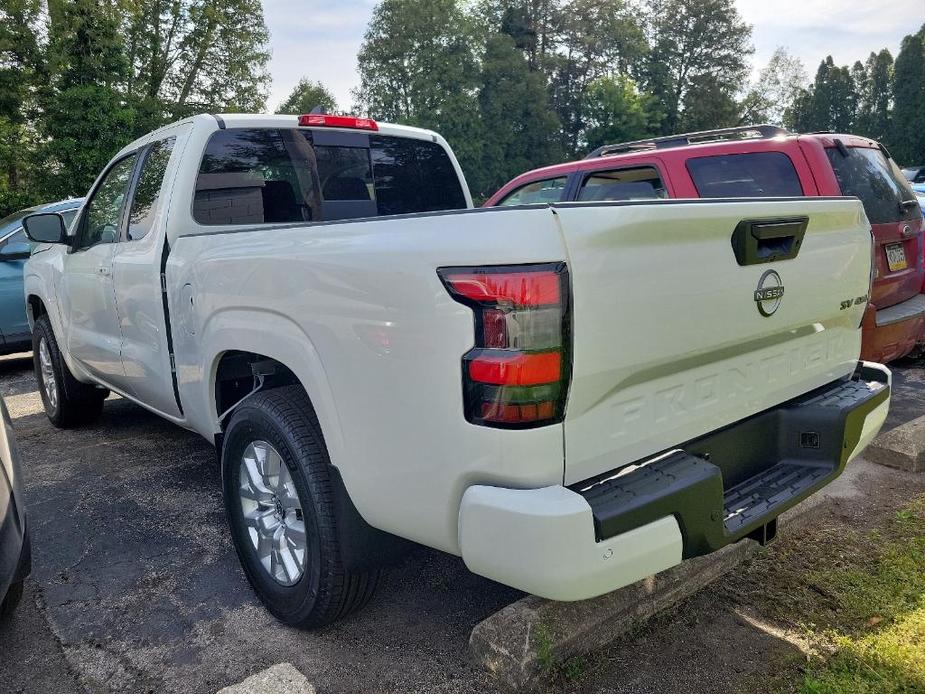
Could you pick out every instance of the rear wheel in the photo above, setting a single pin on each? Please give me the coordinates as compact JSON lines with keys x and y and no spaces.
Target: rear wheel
{"x":280,"y":509}
{"x":67,"y":401}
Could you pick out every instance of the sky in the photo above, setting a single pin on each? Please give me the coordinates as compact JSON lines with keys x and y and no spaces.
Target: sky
{"x":320,"y":40}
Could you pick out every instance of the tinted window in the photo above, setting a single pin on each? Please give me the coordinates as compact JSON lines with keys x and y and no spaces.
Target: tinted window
{"x":251,"y":176}
{"x":17,"y":238}
{"x":868,"y":175}
{"x":104,"y":211}
{"x":148,"y":189}
{"x":549,"y":190}
{"x":345,"y":173}
{"x":625,"y":184}
{"x":257,"y":176}
{"x":754,"y":175}
{"x":414,"y":176}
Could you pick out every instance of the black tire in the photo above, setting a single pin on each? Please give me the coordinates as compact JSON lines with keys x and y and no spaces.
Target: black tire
{"x":12,"y":600}
{"x":325,"y":591}
{"x":76,"y":403}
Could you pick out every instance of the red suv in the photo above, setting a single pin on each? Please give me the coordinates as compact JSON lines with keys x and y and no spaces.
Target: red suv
{"x":765,"y":161}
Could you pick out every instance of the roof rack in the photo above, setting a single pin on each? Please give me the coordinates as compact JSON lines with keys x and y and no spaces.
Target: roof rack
{"x":745,"y":132}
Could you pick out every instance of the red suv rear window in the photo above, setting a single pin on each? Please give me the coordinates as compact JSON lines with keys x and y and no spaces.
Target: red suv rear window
{"x":866,"y":174}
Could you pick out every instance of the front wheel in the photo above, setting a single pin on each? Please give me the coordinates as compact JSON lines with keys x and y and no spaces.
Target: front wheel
{"x":280,"y":509}
{"x":67,"y":401}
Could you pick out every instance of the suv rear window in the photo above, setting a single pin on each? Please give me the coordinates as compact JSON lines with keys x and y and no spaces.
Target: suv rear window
{"x":752,"y":175}
{"x":269,"y":175}
{"x":867,"y":174}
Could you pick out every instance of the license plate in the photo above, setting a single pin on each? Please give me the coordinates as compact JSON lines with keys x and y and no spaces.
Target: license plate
{"x":896,"y":257}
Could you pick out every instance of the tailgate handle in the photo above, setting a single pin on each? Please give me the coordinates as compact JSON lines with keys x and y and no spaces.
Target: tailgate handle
{"x":757,"y":241}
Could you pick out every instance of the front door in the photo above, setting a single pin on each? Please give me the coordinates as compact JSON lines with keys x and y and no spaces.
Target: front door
{"x":92,"y":329}
{"x":14,"y":251}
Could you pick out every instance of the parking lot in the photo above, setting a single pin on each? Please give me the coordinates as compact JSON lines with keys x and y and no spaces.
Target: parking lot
{"x":136,"y":587}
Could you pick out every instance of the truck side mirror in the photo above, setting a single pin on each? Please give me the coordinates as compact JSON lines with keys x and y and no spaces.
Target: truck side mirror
{"x":45,"y":227}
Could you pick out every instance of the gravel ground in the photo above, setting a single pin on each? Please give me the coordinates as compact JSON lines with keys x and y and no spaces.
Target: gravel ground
{"x":136,"y":587}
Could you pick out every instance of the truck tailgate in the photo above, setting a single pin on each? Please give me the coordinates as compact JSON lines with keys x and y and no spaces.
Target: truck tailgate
{"x":674,"y":337}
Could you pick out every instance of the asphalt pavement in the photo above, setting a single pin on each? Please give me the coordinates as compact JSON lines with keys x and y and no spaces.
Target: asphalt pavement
{"x":136,"y":586}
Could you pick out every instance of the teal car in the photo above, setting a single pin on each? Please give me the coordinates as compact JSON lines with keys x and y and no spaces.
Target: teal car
{"x":15,"y":249}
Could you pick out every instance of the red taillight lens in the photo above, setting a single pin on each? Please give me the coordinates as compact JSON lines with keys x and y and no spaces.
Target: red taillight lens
{"x":325,"y":120}
{"x":517,"y":374}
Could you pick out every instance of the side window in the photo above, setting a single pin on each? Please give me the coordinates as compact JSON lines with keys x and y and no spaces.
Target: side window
{"x":642,"y":183}
{"x":868,"y":175}
{"x":17,"y":239}
{"x":257,"y":176}
{"x":148,"y":189}
{"x":104,"y":211}
{"x":549,"y":190}
{"x":753,"y":175}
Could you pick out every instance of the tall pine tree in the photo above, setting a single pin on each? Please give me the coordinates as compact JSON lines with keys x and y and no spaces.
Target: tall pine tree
{"x":908,"y":138}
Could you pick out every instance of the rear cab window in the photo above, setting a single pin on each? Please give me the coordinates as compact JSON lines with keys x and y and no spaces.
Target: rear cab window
{"x":868,"y":175}
{"x":272,"y":175}
{"x":638,"y":183}
{"x":749,"y":175}
{"x":544,"y":191}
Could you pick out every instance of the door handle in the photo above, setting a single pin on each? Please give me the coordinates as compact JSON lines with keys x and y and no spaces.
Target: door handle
{"x":103,"y":270}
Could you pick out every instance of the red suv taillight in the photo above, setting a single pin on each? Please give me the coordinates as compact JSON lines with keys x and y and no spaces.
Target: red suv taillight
{"x":517,"y":375}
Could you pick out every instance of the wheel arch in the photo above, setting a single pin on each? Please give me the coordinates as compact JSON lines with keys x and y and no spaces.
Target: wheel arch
{"x":237,"y":340}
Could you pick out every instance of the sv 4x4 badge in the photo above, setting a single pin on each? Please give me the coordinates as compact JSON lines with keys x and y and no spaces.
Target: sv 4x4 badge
{"x":769,"y":293}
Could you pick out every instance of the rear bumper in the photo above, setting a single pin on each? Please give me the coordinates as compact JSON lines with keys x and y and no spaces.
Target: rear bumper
{"x":892,"y":333}
{"x":579,"y":542}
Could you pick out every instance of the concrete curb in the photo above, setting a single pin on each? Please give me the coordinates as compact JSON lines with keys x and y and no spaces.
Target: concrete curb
{"x":524,"y":642}
{"x":282,"y":678}
{"x":902,"y":447}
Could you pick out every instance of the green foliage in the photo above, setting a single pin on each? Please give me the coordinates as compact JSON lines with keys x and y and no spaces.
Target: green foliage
{"x":775,"y":91}
{"x":698,"y":60}
{"x":618,"y":112}
{"x":418,"y":65}
{"x":306,"y":96}
{"x":521,"y":131}
{"x":908,"y":133}
{"x":109,"y":71}
{"x":830,"y":103}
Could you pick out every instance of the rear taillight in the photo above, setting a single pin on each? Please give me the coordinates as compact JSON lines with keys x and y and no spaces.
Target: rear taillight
{"x":517,"y":374}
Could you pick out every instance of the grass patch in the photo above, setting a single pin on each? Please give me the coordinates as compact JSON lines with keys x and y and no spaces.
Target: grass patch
{"x":858,"y":598}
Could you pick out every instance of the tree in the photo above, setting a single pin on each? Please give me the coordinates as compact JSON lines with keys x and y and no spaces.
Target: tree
{"x":196,"y":55}
{"x":85,"y":118}
{"x":596,"y":38}
{"x":418,"y":65}
{"x":698,"y":52}
{"x":21,"y":67}
{"x":908,"y":134}
{"x":619,"y":112}
{"x":306,"y":96}
{"x":521,"y":130}
{"x":878,"y":98}
{"x":774,"y":92}
{"x":831,"y":102}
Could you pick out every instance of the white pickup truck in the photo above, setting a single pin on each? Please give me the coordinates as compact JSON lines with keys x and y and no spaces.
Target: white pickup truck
{"x":570,"y":397}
